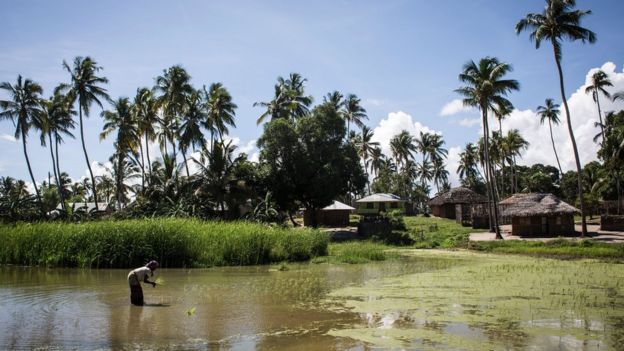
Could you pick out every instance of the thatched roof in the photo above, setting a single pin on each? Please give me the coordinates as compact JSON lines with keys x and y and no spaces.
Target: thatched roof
{"x":337,"y":205}
{"x":380,"y":198}
{"x":535,"y":204}
{"x":459,"y":195}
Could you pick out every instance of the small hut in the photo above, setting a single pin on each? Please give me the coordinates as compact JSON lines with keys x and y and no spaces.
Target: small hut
{"x":373,"y":204}
{"x":456,"y":204}
{"x":334,"y":215}
{"x":537,"y":214}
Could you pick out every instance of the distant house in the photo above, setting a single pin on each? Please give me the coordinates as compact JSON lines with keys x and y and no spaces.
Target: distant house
{"x":538,"y":214}
{"x":87,"y":206}
{"x":456,"y":204}
{"x":334,"y":215}
{"x":374,"y":204}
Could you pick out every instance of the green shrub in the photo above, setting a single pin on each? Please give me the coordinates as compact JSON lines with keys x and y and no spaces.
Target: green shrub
{"x":173,"y":242}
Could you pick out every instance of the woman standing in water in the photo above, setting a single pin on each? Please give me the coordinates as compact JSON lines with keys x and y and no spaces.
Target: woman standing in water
{"x":136,"y":277}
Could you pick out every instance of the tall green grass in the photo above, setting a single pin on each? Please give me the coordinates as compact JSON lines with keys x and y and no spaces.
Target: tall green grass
{"x":173,"y":242}
{"x":557,"y":248}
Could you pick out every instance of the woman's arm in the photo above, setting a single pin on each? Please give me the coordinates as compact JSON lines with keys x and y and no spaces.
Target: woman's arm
{"x":148,"y":282}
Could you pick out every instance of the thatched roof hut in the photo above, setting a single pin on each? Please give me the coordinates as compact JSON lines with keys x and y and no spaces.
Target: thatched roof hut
{"x":334,"y":215}
{"x":445,"y":204}
{"x":535,"y":204}
{"x":538,"y":214}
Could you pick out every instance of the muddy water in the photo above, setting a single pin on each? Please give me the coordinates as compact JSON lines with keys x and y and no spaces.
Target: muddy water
{"x":433,"y":301}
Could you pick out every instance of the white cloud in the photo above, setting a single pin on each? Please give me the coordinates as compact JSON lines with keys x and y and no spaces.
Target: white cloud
{"x":454,"y":107}
{"x":469,"y":122}
{"x":584,"y":114}
{"x":452,"y":162}
{"x":393,"y":125}
{"x":9,"y":138}
{"x":373,"y":102}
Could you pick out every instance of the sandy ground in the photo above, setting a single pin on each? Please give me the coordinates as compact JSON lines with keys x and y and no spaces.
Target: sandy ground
{"x":593,"y":230}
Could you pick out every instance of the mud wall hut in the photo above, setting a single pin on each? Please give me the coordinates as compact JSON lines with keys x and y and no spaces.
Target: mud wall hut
{"x":539,"y":214}
{"x":456,"y":204}
{"x":334,"y":215}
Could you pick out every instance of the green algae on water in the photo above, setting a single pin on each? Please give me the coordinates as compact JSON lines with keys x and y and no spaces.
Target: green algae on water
{"x":492,"y":302}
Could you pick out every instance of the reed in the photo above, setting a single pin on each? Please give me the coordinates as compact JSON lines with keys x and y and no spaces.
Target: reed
{"x":173,"y":242}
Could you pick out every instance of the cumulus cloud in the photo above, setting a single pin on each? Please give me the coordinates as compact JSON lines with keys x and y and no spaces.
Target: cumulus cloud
{"x":393,"y":125}
{"x":584,"y":114}
{"x":469,"y":122}
{"x":452,"y":162}
{"x":7,"y":137}
{"x":454,"y":107}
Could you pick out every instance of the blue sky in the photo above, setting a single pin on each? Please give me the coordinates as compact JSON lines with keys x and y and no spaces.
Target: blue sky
{"x":395,"y":55}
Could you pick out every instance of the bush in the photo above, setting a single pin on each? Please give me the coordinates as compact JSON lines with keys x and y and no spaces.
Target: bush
{"x":173,"y":242}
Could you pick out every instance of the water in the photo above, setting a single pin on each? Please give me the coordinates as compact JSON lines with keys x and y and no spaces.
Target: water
{"x":435,"y":301}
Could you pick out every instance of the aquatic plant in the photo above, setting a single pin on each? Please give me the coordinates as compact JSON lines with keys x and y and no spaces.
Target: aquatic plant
{"x":173,"y":242}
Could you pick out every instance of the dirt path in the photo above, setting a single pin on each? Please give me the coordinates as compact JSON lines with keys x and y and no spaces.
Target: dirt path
{"x":594,"y":233}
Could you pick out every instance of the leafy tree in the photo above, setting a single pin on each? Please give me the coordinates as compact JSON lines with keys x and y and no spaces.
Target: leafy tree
{"x":23,"y":108}
{"x":487,"y":90}
{"x":559,"y":21}
{"x":85,"y":88}
{"x":308,"y":161}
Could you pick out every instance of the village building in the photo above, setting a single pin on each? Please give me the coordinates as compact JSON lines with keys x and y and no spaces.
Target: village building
{"x":457,"y":204}
{"x":372,"y":205}
{"x":536,"y":214}
{"x":334,"y":215}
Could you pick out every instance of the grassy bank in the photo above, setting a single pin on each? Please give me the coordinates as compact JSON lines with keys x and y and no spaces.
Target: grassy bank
{"x":557,"y":248}
{"x":173,"y":242}
{"x":432,"y":232}
{"x":357,"y":252}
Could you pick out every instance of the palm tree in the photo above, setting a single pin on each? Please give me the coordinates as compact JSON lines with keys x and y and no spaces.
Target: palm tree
{"x":402,"y":147}
{"x":85,"y":87}
{"x":377,"y":158}
{"x":289,"y":100}
{"x":175,"y":87}
{"x":23,"y":108}
{"x":560,"y":21}
{"x":190,"y":131}
{"x":334,"y":99}
{"x":599,"y":81}
{"x":145,"y":110}
{"x":354,"y":112}
{"x":439,"y":173}
{"x":550,"y":112}
{"x":57,"y":120}
{"x":514,"y":144}
{"x":486,"y":89}
{"x":221,"y":111}
{"x":120,"y":119}
{"x":366,"y":147}
{"x":468,"y":166}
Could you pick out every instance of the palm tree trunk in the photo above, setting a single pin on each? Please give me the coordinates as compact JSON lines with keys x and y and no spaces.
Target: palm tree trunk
{"x":576,"y":154}
{"x":142,"y":167}
{"x":600,"y":117}
{"x":188,"y":174}
{"x":489,"y":172}
{"x":500,"y":130}
{"x":56,"y":175}
{"x":84,"y":149}
{"x":119,"y":180}
{"x":554,"y":149}
{"x":149,"y":163}
{"x":32,"y":177}
{"x":58,"y":170}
